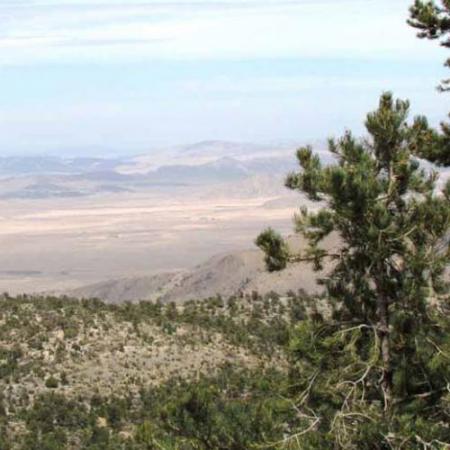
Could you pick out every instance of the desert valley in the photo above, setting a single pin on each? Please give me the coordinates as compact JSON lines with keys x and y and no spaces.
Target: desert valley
{"x":134,"y":226}
{"x":224,"y":225}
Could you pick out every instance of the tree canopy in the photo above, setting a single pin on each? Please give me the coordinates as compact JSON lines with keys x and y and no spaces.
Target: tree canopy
{"x":362,"y":372}
{"x":376,"y":372}
{"x":433,"y":22}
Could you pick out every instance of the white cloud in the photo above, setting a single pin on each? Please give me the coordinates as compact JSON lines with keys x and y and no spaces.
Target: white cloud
{"x":114,"y":31}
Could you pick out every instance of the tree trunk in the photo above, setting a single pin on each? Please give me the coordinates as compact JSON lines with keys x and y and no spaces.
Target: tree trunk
{"x":383,"y":317}
{"x":384,"y":336}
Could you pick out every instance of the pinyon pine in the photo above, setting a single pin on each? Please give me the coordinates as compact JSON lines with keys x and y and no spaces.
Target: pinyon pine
{"x":433,"y":22}
{"x":376,"y":373}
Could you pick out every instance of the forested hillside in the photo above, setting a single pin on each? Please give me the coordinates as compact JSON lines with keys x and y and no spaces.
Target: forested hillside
{"x":209,"y":374}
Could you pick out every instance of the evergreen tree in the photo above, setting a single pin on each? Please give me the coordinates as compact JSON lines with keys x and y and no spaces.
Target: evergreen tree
{"x":433,"y":22}
{"x":377,"y":373}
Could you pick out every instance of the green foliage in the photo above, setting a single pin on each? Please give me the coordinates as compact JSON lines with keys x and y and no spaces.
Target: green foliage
{"x":219,"y":407}
{"x":51,"y":382}
{"x":377,"y":374}
{"x":428,"y":143}
{"x":235,"y":409}
{"x":9,"y":362}
{"x":52,"y":411}
{"x":432,"y":19}
{"x":343,"y":390}
{"x":275,"y":249}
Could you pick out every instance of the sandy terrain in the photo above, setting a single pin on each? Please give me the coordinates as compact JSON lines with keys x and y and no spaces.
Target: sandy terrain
{"x":52,"y":244}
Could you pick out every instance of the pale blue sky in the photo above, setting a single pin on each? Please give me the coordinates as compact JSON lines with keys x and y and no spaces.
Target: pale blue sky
{"x":118,"y":77}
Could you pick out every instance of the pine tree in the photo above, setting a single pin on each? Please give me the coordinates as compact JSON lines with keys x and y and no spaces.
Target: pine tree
{"x":433,"y":22}
{"x":377,"y":373}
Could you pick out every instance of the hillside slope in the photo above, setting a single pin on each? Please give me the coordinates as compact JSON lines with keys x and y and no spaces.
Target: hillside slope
{"x":84,"y":374}
{"x":226,"y":275}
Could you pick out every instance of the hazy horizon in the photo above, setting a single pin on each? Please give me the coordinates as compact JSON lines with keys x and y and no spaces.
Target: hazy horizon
{"x":112,"y":78}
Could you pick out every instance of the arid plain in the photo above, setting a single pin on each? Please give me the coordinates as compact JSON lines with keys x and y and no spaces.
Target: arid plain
{"x":63,"y":231}
{"x":67,"y":243}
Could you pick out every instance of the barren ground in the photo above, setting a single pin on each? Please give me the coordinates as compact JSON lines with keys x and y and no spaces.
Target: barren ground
{"x":65,"y":243}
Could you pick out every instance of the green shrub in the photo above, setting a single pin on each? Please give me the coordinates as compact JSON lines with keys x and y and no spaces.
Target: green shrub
{"x":51,"y":382}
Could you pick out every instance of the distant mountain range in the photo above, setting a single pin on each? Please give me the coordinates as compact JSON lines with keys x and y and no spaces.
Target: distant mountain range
{"x":44,"y":165}
{"x":204,"y":164}
{"x":197,"y":154}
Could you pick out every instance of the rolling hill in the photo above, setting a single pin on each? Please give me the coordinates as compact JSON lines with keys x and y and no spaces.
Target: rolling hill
{"x":231,"y":274}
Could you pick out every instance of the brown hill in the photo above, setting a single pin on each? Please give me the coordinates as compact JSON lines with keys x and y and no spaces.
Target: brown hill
{"x":227,"y":275}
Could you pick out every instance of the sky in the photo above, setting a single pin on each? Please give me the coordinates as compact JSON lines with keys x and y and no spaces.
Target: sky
{"x":109,"y":77}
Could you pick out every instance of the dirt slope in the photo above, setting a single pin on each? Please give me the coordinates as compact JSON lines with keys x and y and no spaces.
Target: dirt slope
{"x":229,"y":274}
